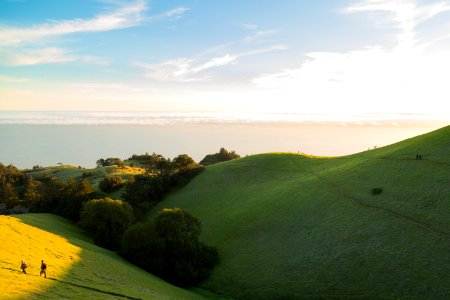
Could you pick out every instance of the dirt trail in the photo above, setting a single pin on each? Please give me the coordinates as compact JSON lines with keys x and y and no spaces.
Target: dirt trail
{"x":347,"y":196}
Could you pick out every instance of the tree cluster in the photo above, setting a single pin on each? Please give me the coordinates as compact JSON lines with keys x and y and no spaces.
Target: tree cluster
{"x":222,"y":155}
{"x":22,"y":193}
{"x":169,"y":247}
{"x":111,"y":183}
{"x":105,"y":220}
{"x":110,"y":161}
{"x":144,"y":191}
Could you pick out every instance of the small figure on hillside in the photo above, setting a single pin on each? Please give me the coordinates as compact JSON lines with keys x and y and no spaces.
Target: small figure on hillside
{"x":417,"y":156}
{"x":420,"y":156}
{"x":43,"y":269}
{"x":23,"y":267}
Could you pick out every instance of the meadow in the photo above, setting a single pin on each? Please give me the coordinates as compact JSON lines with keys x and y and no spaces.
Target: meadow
{"x":292,"y":225}
{"x":76,"y":269}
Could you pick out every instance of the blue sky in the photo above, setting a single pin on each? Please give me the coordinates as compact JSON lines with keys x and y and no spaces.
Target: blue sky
{"x":309,"y":57}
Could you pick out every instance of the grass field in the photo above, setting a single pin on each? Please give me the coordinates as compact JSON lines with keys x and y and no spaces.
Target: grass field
{"x":77,"y":269}
{"x":289,"y":225}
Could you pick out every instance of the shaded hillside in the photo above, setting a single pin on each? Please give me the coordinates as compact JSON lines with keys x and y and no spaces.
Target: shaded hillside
{"x":288,"y":225}
{"x":77,"y":269}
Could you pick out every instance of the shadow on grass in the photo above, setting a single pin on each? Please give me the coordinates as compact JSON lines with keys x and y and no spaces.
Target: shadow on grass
{"x":99,"y":273}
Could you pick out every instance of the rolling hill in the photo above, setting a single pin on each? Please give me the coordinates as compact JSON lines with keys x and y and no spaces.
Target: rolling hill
{"x":77,"y":269}
{"x":299,"y":226}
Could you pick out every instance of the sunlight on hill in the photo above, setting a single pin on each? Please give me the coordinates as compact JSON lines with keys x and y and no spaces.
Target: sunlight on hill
{"x":77,"y":269}
{"x":23,"y":242}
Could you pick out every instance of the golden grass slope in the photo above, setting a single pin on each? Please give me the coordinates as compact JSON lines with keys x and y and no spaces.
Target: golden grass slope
{"x":76,"y":268}
{"x":23,"y":242}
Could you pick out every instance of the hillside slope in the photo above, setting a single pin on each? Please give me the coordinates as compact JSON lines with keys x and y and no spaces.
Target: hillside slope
{"x":288,"y":225}
{"x":77,"y":269}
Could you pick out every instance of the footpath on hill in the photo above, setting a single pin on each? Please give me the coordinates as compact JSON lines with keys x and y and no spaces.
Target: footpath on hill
{"x":346,"y":195}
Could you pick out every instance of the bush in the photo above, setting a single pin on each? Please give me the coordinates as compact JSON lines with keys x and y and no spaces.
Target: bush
{"x":169,"y":247}
{"x":377,"y":191}
{"x":111,"y":183}
{"x":105,"y":220}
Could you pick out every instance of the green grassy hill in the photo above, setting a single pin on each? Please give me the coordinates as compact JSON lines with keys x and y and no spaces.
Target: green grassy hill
{"x":289,"y":225}
{"x":77,"y":269}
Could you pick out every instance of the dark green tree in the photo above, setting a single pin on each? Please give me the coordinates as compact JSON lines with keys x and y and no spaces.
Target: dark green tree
{"x":33,"y":191}
{"x":183,"y":162}
{"x":169,"y":247}
{"x":8,"y":195}
{"x":111,"y":183}
{"x":105,"y":220}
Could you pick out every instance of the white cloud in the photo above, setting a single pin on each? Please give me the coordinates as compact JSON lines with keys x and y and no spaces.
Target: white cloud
{"x":405,"y":78}
{"x":89,"y":87}
{"x":405,"y":14}
{"x":258,"y":35}
{"x":28,"y":57}
{"x":123,"y":17}
{"x":248,"y":26}
{"x":39,"y":56}
{"x":11,"y":79}
{"x":216,"y":62}
{"x":190,"y":69}
{"x":176,"y":12}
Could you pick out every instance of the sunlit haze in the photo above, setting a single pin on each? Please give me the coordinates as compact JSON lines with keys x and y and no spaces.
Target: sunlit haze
{"x":334,"y":64}
{"x":341,"y":58}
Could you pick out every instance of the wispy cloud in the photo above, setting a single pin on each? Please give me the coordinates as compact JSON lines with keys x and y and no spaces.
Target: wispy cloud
{"x":124,"y":17}
{"x":50,"y":55}
{"x":175,"y":12}
{"x":192,"y":69}
{"x":39,"y":56}
{"x":188,"y":69}
{"x":12,"y":79}
{"x":248,"y":26}
{"x":89,"y":87}
{"x":404,"y":14}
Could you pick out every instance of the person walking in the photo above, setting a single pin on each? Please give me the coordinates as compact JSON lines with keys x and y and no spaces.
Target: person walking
{"x":43,"y":269}
{"x":23,"y":266}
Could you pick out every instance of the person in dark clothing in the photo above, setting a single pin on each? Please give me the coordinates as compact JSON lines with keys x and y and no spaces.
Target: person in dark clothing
{"x":23,"y":267}
{"x":43,"y":269}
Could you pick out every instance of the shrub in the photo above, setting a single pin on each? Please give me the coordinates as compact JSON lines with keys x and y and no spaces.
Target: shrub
{"x":169,"y":247}
{"x":105,"y":220}
{"x":111,"y":183}
{"x":377,"y":191}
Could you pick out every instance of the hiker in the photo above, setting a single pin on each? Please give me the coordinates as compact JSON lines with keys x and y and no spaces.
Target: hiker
{"x":23,"y":267}
{"x":43,"y":269}
{"x":417,"y":156}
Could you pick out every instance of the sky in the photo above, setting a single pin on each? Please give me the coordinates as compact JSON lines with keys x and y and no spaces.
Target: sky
{"x":333,"y":58}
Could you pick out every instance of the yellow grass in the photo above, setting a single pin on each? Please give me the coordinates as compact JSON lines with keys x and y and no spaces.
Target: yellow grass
{"x":23,"y":242}
{"x":129,"y":170}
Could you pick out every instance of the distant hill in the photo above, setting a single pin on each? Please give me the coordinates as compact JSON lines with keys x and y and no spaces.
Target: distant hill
{"x":289,"y":225}
{"x":77,"y":269}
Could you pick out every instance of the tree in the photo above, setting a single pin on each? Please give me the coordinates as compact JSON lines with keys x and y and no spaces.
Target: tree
{"x":111,"y":183}
{"x":222,"y":155}
{"x":183,"y":162}
{"x":8,"y":195}
{"x":74,"y":195}
{"x":105,"y":220}
{"x":169,"y":247}
{"x":33,"y":191}
{"x":110,"y":161}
